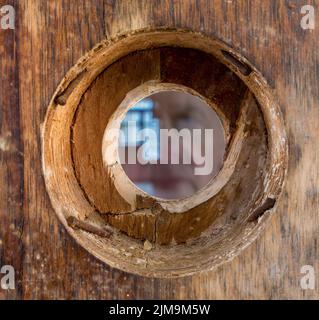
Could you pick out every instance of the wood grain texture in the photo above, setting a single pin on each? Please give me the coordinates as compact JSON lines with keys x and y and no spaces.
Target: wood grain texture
{"x":50,"y":37}
{"x":91,"y":119}
{"x":11,"y":161}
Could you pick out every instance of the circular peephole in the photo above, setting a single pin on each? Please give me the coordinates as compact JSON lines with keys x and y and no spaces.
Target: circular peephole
{"x":171,"y":144}
{"x":149,"y":217}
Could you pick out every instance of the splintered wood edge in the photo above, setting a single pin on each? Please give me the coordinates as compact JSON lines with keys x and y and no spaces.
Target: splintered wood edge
{"x":59,"y":173}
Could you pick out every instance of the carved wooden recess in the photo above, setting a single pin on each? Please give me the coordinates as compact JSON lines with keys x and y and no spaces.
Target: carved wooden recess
{"x":98,"y":204}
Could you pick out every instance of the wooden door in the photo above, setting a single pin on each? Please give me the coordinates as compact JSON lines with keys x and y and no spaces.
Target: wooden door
{"x":48,"y":39}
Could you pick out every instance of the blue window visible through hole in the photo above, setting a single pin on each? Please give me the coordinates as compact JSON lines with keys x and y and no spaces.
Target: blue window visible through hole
{"x":142,"y":117}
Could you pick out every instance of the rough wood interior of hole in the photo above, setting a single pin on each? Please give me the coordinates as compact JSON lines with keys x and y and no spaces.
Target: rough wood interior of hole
{"x":141,"y":216}
{"x":185,"y":239}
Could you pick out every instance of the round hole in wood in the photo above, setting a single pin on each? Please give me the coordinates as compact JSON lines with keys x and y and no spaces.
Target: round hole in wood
{"x":131,"y":230}
{"x":170,"y":143}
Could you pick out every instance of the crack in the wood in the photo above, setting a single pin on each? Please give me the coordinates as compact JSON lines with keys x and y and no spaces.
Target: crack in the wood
{"x":63,"y":96}
{"x":88,"y":227}
{"x":267,"y":205}
{"x":241,"y":66}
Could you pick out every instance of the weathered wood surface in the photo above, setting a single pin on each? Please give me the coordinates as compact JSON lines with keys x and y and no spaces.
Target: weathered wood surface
{"x":49,"y":38}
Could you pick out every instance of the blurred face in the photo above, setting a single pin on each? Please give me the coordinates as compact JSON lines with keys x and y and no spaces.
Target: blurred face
{"x":171,"y":144}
